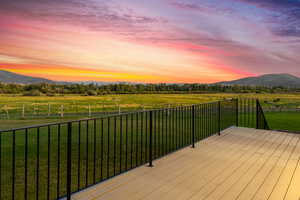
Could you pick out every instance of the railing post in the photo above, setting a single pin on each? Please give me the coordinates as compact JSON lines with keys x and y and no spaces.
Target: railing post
{"x":69,"y":160}
{"x":237,"y":112}
{"x":219,"y":117}
{"x":193,"y":126}
{"x":150,"y":139}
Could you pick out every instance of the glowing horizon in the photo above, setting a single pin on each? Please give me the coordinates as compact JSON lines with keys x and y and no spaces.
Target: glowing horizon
{"x":142,"y":41}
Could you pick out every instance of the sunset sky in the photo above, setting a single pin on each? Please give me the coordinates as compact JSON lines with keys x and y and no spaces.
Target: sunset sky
{"x":178,"y":41}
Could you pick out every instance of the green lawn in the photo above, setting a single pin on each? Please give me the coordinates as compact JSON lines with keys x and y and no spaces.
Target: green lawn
{"x":284,"y":120}
{"x":11,"y":124}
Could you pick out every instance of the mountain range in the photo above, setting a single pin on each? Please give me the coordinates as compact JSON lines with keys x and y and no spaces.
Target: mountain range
{"x":10,"y":77}
{"x":268,"y":80}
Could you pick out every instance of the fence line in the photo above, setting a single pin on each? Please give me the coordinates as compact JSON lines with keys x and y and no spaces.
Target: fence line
{"x":63,"y":110}
{"x":60,"y":159}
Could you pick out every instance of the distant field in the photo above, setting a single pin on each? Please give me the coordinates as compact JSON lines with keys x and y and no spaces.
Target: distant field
{"x":36,"y":109}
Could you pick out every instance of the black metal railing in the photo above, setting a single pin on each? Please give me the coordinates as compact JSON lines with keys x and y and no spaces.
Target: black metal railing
{"x":55,"y":160}
{"x":261,"y":122}
{"x":250,"y":114}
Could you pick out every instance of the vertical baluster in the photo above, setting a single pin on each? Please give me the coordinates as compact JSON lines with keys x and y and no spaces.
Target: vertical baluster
{"x":69,"y":160}
{"x":58,"y":162}
{"x":253,"y":113}
{"x":211,"y":118}
{"x":245,"y":113}
{"x":181,"y":127}
{"x":87,"y":155}
{"x":202,"y":121}
{"x":248,"y":113}
{"x":13,"y":164}
{"x":136,"y":138}
{"x":102,"y":148}
{"x":206,"y":120}
{"x":161,"y":123}
{"x":95,"y":143}
{"x":154,"y":134}
{"x":167,"y":136}
{"x":26,"y":164}
{"x":142,"y":139}
{"x":126,"y":153}
{"x":108,"y":143}
{"x":237,"y":112}
{"x":184,"y":125}
{"x":79,"y":153}
{"x":115,"y":144}
{"x":131,"y":142}
{"x":175,"y":128}
{"x":48,"y":163}
{"x":121,"y":142}
{"x":157,"y":132}
{"x":171,"y":131}
{"x":257,"y":115}
{"x":219,"y":117}
{"x":0,"y":165}
{"x":150,"y":139}
{"x":193,"y":126}
{"x":37,"y":163}
{"x":163,"y":132}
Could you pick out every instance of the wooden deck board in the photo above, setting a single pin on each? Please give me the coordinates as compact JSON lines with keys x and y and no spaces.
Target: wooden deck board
{"x":242,"y":163}
{"x":241,"y":174}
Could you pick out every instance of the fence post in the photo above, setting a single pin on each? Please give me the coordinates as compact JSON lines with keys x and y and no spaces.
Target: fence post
{"x":150,"y":139}
{"x":237,"y":112}
{"x":257,"y":114}
{"x":69,"y":161}
{"x":193,"y":128}
{"x":90,"y":112}
{"x":49,"y":110}
{"x":219,"y":117}
{"x":62,"y":111}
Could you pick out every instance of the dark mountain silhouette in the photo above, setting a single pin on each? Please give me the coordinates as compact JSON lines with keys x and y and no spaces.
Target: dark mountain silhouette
{"x":10,"y":77}
{"x":268,"y":80}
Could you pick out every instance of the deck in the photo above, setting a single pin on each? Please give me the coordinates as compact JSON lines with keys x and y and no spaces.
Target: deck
{"x":240,"y":164}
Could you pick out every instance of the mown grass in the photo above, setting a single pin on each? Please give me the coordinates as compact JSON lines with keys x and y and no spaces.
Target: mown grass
{"x":284,"y":120}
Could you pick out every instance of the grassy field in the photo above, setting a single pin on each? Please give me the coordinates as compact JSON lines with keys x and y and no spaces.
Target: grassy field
{"x":135,"y":100}
{"x":36,"y":108}
{"x":284,"y":120}
{"x":174,"y":128}
{"x":11,"y":107}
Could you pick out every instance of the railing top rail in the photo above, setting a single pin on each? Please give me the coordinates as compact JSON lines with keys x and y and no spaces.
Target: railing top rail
{"x":105,"y":117}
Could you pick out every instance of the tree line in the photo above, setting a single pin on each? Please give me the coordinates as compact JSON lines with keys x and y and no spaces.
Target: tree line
{"x":124,"y":88}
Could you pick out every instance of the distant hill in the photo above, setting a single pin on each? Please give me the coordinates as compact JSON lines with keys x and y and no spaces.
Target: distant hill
{"x":268,"y":80}
{"x":10,"y":77}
